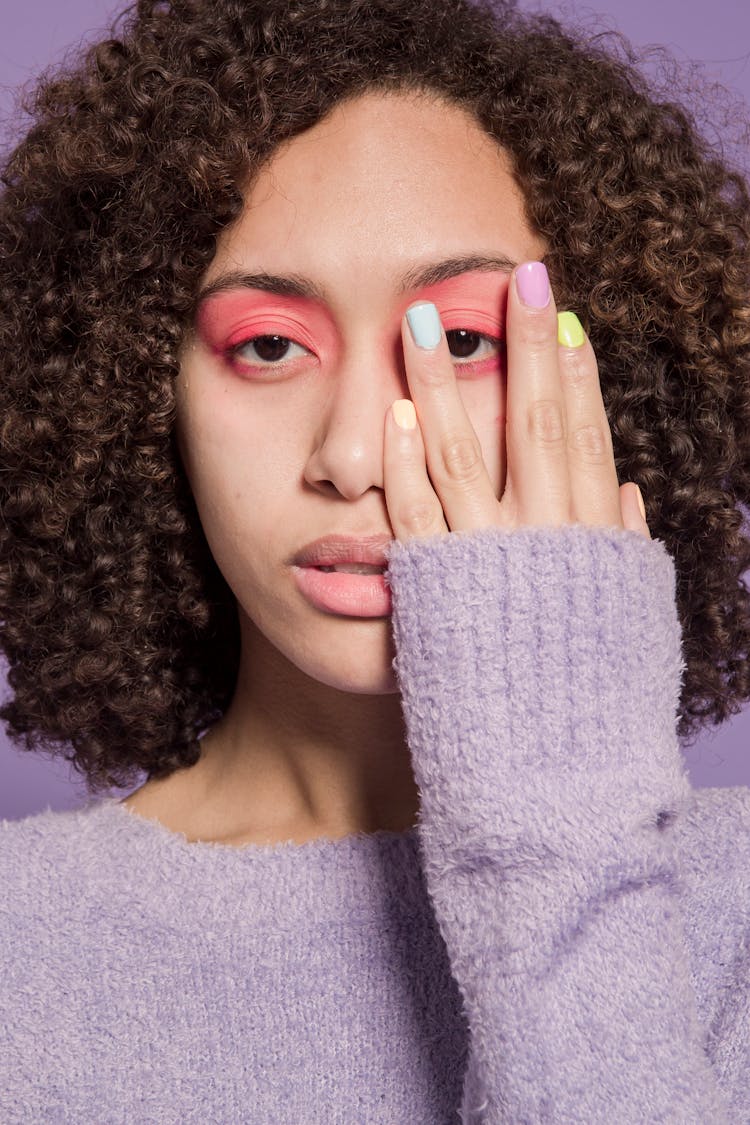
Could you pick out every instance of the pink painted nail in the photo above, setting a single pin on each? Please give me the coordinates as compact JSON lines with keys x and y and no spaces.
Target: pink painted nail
{"x":532,"y":282}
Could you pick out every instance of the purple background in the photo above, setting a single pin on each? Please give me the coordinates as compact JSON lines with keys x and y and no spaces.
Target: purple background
{"x":711,"y":48}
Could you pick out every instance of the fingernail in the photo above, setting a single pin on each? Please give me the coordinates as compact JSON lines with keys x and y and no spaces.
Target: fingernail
{"x":569,"y":331}
{"x":404,"y":413}
{"x":641,"y":505}
{"x":424,"y":324}
{"x":532,"y":282}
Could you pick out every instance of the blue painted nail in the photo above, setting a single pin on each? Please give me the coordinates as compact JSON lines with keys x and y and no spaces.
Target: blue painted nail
{"x":424,"y":323}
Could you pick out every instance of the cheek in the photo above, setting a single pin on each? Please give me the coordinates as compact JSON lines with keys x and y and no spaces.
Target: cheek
{"x":208,"y":440}
{"x":236,"y":446}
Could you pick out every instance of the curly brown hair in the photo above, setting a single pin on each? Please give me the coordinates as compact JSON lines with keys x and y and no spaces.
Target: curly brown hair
{"x":121,"y":634}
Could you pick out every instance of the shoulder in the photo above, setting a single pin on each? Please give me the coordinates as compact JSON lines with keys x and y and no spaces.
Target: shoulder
{"x":714,"y":847}
{"x":713,"y":844}
{"x":42,"y":831}
{"x":43,"y":859}
{"x":714,"y":833}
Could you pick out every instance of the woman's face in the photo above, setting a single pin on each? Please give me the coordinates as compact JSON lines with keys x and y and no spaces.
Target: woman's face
{"x":282,"y":440}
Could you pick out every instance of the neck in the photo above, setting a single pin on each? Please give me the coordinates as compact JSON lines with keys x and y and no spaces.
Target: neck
{"x":296,"y":758}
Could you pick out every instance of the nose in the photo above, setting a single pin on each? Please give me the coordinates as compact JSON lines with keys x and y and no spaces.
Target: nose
{"x":347,"y":444}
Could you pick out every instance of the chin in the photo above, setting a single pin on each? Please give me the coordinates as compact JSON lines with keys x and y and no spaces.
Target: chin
{"x":366,"y":679}
{"x":345,"y":657}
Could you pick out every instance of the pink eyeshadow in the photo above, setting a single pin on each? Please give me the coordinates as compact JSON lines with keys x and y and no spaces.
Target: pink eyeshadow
{"x":475,"y":300}
{"x":480,"y":296}
{"x":227,"y":318}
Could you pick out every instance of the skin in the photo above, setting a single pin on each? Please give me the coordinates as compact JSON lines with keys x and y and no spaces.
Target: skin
{"x":313,"y":743}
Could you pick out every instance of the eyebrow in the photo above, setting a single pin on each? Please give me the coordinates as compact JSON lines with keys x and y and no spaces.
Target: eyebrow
{"x":295,"y":285}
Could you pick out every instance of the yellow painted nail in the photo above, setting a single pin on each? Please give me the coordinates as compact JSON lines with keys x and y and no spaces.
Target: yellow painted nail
{"x":569,"y":331}
{"x":404,"y":413}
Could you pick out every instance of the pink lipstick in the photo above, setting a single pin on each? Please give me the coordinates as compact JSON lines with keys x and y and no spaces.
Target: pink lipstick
{"x":343,"y":574}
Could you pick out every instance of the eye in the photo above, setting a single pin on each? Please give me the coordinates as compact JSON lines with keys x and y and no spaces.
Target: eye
{"x":267,"y":350}
{"x":464,"y":342}
{"x":271,"y":349}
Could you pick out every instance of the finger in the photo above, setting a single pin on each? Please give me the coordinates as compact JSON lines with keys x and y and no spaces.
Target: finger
{"x":595,"y":489}
{"x":413,"y":507}
{"x":633,"y":516}
{"x":538,"y":487}
{"x":453,"y":453}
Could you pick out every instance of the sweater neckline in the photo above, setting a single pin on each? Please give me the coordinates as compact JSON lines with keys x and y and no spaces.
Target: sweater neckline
{"x":353,"y":841}
{"x":358,"y":879}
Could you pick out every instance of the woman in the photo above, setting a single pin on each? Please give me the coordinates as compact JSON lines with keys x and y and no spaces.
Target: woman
{"x":298,"y":289}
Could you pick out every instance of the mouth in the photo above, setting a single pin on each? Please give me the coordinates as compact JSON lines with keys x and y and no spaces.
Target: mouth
{"x":351,"y":568}
{"x":345,"y":589}
{"x":340,"y":551}
{"x":345,"y":574}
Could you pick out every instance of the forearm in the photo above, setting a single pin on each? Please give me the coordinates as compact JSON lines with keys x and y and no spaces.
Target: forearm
{"x":540,"y":704}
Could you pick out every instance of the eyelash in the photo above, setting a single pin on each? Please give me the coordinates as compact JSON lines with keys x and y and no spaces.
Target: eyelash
{"x":233,"y":353}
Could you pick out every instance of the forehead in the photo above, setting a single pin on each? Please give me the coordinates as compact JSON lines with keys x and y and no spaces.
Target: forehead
{"x":383,"y":182}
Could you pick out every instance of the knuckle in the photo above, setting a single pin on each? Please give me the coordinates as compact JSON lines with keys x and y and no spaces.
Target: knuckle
{"x":576,"y":367}
{"x":590,"y":442}
{"x":462,"y":459}
{"x":546,"y":422}
{"x":420,"y":517}
{"x":536,"y":330}
{"x":433,"y":373}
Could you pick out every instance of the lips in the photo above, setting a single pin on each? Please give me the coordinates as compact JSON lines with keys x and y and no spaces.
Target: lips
{"x":346,"y":551}
{"x":343,"y":574}
{"x":352,"y":568}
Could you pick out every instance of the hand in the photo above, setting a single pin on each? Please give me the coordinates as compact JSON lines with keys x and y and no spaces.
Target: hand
{"x":560,"y":462}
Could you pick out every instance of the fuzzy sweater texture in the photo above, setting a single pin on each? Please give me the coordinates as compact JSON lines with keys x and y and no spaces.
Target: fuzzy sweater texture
{"x":564,"y":936}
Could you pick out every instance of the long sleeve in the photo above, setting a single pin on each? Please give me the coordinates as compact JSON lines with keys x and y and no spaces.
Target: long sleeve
{"x":540,"y":672}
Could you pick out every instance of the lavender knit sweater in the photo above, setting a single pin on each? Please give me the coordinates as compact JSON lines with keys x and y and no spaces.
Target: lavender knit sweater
{"x":564,"y":937}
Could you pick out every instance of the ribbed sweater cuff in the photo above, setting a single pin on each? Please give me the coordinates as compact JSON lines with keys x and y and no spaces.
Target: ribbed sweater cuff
{"x":588,"y":615}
